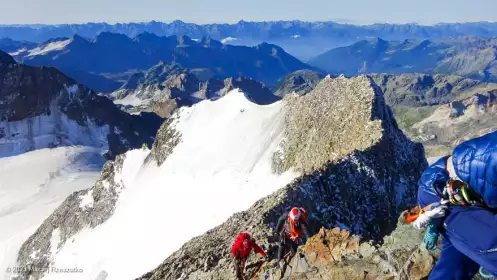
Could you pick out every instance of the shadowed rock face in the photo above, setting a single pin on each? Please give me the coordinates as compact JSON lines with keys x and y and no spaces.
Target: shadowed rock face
{"x":40,"y":107}
{"x":6,"y":59}
{"x":363,"y":187}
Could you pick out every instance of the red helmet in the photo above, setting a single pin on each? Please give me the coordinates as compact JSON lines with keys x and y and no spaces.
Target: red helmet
{"x":294,"y":214}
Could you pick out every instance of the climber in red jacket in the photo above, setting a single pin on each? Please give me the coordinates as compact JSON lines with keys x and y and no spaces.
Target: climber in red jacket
{"x":241,"y":250}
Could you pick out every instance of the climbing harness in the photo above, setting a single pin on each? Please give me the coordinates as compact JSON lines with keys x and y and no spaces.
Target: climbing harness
{"x":460,"y":194}
{"x":455,"y":192}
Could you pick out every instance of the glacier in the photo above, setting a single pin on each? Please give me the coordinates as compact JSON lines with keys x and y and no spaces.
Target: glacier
{"x":33,"y":185}
{"x":48,"y":131}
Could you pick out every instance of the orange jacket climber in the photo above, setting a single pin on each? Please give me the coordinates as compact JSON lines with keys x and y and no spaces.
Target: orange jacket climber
{"x":292,"y":227}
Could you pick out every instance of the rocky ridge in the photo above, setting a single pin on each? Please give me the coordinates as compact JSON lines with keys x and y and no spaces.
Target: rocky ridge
{"x":83,"y":209}
{"x":363,"y":188}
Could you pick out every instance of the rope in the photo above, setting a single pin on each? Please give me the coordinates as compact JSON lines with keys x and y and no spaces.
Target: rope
{"x":262,"y":265}
{"x":486,"y":276}
{"x":258,"y":270}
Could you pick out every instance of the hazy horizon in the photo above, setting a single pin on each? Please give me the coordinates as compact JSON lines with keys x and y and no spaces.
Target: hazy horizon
{"x":340,"y":21}
{"x":358,"y":12}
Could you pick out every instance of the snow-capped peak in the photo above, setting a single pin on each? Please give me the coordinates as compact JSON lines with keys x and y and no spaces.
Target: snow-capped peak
{"x":228,"y":40}
{"x":50,"y":47}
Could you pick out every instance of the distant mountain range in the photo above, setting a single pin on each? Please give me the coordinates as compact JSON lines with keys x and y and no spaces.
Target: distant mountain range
{"x":473,"y":57}
{"x":302,"y":39}
{"x":111,"y":55}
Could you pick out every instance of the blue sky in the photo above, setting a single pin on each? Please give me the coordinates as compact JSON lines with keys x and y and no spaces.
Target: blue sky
{"x":204,"y":11}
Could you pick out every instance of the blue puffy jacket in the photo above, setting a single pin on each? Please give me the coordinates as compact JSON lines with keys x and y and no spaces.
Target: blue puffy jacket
{"x":475,"y":162}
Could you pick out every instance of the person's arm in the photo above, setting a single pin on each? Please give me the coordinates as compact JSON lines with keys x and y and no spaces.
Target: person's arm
{"x":234,"y":252}
{"x":281,"y":222}
{"x":258,"y":249}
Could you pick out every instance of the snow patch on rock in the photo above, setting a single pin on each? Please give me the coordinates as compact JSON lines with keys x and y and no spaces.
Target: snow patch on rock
{"x":54,"y":241}
{"x":72,"y":90}
{"x":18,"y":52}
{"x":228,"y":40}
{"x":86,"y":200}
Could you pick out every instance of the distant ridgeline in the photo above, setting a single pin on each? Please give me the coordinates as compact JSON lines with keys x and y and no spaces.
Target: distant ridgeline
{"x":302,"y":39}
{"x":105,"y":61}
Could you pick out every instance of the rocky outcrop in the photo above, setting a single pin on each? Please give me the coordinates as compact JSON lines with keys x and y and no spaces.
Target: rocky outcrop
{"x":83,"y":209}
{"x":362,"y":183}
{"x":432,"y":109}
{"x":453,"y":123}
{"x":164,"y":88}
{"x":318,"y":123}
{"x":414,"y":90}
{"x":253,"y":90}
{"x":167,"y":139}
{"x":300,"y":82}
{"x":336,"y":254}
{"x":41,"y":107}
